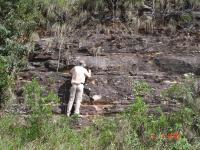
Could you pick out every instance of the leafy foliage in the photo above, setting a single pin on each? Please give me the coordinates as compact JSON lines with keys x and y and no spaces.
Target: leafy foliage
{"x":37,"y":101}
{"x":187,"y":92}
{"x":4,"y":76}
{"x":133,"y":129}
{"x":141,"y":88}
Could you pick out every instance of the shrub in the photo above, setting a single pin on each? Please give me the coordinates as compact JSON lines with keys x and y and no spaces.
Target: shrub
{"x":39,"y":103}
{"x":4,"y":80}
{"x":186,"y":92}
{"x":182,"y":144}
{"x":141,"y":88}
{"x":15,"y":55}
{"x":4,"y":33}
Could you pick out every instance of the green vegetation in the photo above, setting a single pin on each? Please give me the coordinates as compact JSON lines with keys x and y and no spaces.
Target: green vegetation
{"x":186,"y":92}
{"x":3,"y":80}
{"x":141,"y":88}
{"x":133,"y":129}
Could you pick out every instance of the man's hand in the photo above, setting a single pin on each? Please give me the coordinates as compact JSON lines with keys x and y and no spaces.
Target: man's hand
{"x":90,"y":74}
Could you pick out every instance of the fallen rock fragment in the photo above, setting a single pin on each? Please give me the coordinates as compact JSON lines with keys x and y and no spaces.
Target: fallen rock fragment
{"x":96,"y":97}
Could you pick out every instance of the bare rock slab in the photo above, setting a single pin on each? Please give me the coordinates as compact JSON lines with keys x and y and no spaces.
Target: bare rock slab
{"x":184,"y":64}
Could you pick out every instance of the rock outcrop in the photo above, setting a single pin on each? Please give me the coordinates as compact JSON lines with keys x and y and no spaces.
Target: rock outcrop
{"x":116,"y":59}
{"x":184,"y":64}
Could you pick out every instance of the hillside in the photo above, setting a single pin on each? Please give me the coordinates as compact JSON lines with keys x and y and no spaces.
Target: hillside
{"x":145,"y":62}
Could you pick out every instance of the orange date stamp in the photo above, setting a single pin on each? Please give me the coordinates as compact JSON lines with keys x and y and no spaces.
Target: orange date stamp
{"x":170,"y":136}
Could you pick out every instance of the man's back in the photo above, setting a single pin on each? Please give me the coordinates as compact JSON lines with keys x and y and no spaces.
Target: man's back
{"x":78,"y":75}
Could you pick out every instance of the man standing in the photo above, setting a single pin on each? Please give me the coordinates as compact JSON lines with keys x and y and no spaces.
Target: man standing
{"x":79,"y":73}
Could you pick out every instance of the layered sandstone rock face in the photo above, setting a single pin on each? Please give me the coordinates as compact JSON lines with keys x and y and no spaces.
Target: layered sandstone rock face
{"x":117,"y":59}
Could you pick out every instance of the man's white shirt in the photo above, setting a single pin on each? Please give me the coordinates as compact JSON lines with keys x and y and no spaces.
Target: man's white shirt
{"x":78,"y":75}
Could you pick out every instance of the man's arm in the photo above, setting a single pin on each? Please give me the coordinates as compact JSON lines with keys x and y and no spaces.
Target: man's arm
{"x":88,"y":73}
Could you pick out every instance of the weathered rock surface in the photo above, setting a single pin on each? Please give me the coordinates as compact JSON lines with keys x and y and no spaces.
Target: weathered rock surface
{"x":185,"y":64}
{"x":196,"y":15}
{"x":116,"y":58}
{"x":54,"y":65}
